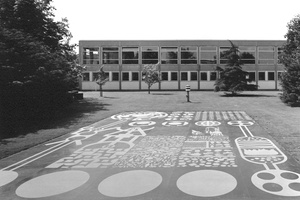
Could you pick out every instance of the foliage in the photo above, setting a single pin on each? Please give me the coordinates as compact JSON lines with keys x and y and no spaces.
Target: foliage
{"x":101,"y":78}
{"x":233,"y":78}
{"x":151,"y":75}
{"x":37,"y":64}
{"x":290,"y":58}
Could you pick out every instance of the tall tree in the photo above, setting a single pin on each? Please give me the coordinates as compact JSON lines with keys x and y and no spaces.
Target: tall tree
{"x":233,"y":78}
{"x":150,"y":75}
{"x":290,"y":58}
{"x":37,"y":62}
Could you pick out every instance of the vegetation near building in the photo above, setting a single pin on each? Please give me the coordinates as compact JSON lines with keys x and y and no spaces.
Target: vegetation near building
{"x":37,"y":62}
{"x":233,"y":79}
{"x":290,"y":58}
{"x":151,"y":75}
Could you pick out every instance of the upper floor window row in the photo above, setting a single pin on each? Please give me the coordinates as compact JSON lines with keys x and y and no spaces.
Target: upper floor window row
{"x":171,"y":55}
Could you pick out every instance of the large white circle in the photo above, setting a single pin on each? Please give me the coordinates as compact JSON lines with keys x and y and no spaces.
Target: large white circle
{"x":206,"y":183}
{"x":52,"y":184}
{"x":7,"y":177}
{"x":130,"y":183}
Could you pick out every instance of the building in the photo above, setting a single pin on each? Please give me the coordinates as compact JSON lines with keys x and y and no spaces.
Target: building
{"x":182,"y":62}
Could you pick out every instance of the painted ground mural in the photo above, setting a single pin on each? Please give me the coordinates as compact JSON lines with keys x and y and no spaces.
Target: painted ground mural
{"x":157,"y":155}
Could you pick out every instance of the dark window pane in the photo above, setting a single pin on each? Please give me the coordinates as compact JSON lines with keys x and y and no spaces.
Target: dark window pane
{"x":188,"y":55}
{"x":165,"y":76}
{"x":271,"y":76}
{"x":261,"y":76}
{"x":188,"y":61}
{"x":149,"y":55}
{"x":174,"y":76}
{"x":194,"y":76}
{"x":213,"y":76}
{"x":125,"y":76}
{"x":86,"y":77}
{"x":115,"y":76}
{"x":184,"y":76}
{"x":149,"y":61}
{"x":130,"y":61}
{"x":169,"y":62}
{"x":251,"y":76}
{"x":203,"y":76}
{"x":135,"y":76}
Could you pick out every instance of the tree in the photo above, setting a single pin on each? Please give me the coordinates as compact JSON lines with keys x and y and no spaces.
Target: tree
{"x":151,"y":75}
{"x":101,"y":79}
{"x":290,"y":58}
{"x":37,"y":63}
{"x":233,"y":78}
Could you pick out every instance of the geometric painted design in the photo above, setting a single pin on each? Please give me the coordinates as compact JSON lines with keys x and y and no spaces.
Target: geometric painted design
{"x":153,"y":151}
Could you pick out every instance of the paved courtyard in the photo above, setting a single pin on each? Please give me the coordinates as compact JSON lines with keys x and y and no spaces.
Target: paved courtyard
{"x":159,"y":156}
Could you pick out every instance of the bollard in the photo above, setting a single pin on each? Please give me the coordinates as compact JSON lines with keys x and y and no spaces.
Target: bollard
{"x":187,"y":89}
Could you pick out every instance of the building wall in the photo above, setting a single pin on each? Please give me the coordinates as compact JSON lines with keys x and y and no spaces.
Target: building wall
{"x":194,"y":64}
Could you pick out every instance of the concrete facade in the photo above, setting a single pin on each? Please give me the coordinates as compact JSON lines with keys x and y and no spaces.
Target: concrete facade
{"x":182,"y":62}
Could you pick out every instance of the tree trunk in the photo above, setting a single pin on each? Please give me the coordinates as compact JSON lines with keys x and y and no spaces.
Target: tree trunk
{"x":101,"y":92}
{"x":148,"y":89}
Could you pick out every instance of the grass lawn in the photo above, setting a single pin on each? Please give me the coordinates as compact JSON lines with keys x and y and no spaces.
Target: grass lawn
{"x":280,"y":121}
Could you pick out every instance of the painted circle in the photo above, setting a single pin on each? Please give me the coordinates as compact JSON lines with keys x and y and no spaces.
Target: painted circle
{"x":208,"y":123}
{"x":7,"y":176}
{"x":273,"y":187}
{"x":52,"y":184}
{"x":295,"y":186}
{"x":142,"y":123}
{"x":289,"y":175}
{"x":130,"y":183}
{"x":285,"y":183}
{"x":266,"y":176}
{"x":241,"y":123}
{"x":206,"y":183}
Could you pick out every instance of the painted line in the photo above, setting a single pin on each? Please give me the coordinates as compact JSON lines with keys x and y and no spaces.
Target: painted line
{"x":31,"y":157}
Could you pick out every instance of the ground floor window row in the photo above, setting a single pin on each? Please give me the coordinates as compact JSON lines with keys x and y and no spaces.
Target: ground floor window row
{"x":182,"y":76}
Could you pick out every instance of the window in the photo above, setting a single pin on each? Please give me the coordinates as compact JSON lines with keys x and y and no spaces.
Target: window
{"x":261,"y":76}
{"x":125,"y":76}
{"x":203,"y":76}
{"x":266,"y":55}
{"x":130,"y":55}
{"x":95,"y":76}
{"x":189,"y":55}
{"x":223,"y":59}
{"x":110,"y":55}
{"x":135,"y":76}
{"x":174,"y":76}
{"x":247,"y":55}
{"x":164,"y":76}
{"x":208,"y":55}
{"x":115,"y":76}
{"x":213,"y":76}
{"x":271,"y":76}
{"x":169,"y":55}
{"x":194,"y":76}
{"x":184,"y":76}
{"x":149,"y":55}
{"x":86,"y":76}
{"x":251,"y":76}
{"x":90,"y":55}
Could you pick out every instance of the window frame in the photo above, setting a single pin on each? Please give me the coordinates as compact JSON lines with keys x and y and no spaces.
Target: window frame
{"x":130,"y":61}
{"x":95,"y":61}
{"x":195,"y":52}
{"x":169,"y":61}
{"x":111,"y":61}
{"x":151,"y":61}
{"x":265,"y":61}
{"x":208,"y":61}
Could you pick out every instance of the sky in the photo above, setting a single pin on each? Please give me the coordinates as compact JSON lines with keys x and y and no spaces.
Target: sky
{"x":177,"y":20}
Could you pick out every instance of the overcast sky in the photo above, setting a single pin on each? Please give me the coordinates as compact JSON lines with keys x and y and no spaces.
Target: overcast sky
{"x":174,"y":19}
